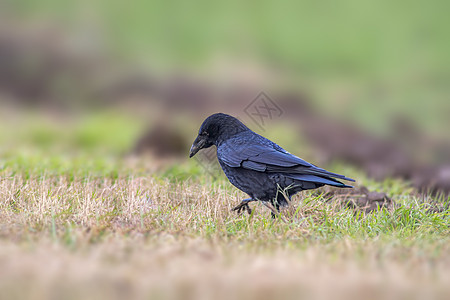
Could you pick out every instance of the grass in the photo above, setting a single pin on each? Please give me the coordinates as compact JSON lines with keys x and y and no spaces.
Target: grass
{"x":95,"y":223}
{"x":81,"y":219}
{"x":147,"y":236}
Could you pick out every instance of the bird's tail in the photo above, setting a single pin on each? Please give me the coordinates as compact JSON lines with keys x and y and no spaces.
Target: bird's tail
{"x":326,"y":174}
{"x":319,"y":180}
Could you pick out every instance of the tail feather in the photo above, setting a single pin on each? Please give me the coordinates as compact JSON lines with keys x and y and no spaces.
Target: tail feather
{"x":302,"y":170}
{"x":321,"y":172}
{"x":319,"y":180}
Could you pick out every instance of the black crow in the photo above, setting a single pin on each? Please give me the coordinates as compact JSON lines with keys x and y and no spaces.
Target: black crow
{"x":258,"y":166}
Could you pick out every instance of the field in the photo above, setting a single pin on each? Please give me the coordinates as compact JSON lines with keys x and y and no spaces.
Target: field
{"x":83,"y":224}
{"x":82,"y":216}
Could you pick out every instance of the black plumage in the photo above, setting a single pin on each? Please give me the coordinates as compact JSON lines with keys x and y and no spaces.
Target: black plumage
{"x":258,"y":166}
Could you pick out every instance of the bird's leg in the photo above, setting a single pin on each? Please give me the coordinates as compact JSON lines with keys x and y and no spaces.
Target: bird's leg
{"x":244,"y":204}
{"x":273,"y":211}
{"x":277,"y":208}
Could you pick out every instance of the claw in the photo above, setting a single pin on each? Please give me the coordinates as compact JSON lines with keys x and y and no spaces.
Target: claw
{"x":241,"y":206}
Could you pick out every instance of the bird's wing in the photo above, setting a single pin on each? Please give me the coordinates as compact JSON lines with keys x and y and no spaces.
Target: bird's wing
{"x":264,"y":157}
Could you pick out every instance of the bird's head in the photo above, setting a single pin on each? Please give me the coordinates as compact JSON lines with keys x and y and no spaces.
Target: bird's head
{"x":214,"y":130}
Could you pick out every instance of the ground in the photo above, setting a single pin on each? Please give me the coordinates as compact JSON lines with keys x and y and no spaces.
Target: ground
{"x":96,"y":224}
{"x":82,"y":218}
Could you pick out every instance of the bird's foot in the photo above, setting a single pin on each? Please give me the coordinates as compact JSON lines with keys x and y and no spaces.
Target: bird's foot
{"x":241,"y":206}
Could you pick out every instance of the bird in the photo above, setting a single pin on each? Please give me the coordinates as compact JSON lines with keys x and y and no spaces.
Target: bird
{"x":259,"y":167}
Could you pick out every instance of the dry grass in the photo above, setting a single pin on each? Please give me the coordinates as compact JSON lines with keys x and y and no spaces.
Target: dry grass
{"x":99,"y":238}
{"x":172,"y":268}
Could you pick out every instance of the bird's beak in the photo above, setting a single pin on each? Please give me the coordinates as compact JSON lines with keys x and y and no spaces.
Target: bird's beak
{"x":196,"y":146}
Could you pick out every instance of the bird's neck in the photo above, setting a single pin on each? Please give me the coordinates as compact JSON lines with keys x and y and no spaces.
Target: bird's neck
{"x":229,"y":135}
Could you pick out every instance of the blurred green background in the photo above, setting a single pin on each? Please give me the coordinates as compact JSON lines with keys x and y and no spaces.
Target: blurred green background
{"x":360,"y":59}
{"x":366,"y":63}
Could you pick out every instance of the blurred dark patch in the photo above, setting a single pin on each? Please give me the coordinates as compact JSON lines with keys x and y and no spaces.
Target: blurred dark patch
{"x":359,"y":197}
{"x":163,"y":141}
{"x":46,"y":67}
{"x":382,"y":158}
{"x":421,"y":145}
{"x":182,"y":93}
{"x":432,"y":179}
{"x":136,"y":85}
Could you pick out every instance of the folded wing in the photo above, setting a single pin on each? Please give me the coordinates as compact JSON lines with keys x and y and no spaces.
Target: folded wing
{"x":268,"y":157}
